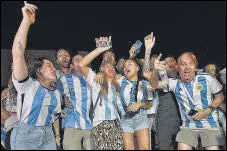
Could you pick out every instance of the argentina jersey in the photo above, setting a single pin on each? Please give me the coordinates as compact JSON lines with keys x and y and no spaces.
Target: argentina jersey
{"x":36,"y":105}
{"x":109,"y":105}
{"x":128,"y":90}
{"x":196,"y":95}
{"x":79,"y":94}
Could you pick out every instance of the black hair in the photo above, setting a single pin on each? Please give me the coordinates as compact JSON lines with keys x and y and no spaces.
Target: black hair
{"x":35,"y":66}
{"x":140,"y":76}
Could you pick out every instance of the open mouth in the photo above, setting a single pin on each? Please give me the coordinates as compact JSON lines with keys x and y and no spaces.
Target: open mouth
{"x":186,"y":73}
{"x":127,"y":71}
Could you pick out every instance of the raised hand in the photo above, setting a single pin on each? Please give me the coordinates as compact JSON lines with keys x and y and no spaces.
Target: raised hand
{"x":132,"y":51}
{"x":149,"y":41}
{"x":103,"y":43}
{"x":29,"y":12}
{"x":159,"y":65}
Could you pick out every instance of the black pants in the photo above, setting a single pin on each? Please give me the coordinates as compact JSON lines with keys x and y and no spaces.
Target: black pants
{"x":7,"y":141}
{"x":168,"y":121}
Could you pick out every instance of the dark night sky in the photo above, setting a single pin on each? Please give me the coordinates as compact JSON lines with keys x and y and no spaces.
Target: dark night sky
{"x":178,"y":26}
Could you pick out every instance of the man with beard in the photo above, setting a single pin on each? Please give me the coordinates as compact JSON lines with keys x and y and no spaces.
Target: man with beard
{"x":194,"y":92}
{"x":63,"y":60}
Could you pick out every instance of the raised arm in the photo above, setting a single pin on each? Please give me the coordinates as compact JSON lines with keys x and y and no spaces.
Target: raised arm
{"x":20,"y":70}
{"x":155,"y":83}
{"x":149,"y":44}
{"x":92,"y":55}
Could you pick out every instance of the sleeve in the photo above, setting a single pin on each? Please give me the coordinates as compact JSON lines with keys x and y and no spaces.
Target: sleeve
{"x":214,"y":85}
{"x":22,"y":86}
{"x":172,"y":84}
{"x":91,"y":79}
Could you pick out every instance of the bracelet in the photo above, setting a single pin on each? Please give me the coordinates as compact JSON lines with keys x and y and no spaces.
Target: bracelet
{"x":211,"y":108}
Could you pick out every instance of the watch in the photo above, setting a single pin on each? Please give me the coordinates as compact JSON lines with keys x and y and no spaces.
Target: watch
{"x":211,"y":108}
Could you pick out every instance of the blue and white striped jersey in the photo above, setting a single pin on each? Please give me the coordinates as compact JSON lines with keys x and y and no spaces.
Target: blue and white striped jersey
{"x":109,"y":106}
{"x":128,"y":88}
{"x":79,"y":94}
{"x":36,"y":105}
{"x":196,"y":95}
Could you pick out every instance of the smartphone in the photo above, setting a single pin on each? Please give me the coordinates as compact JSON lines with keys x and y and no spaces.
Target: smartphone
{"x":138,"y":44}
{"x":192,"y":112}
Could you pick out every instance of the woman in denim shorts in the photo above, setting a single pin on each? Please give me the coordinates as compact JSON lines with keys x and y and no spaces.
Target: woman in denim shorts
{"x":135,"y":119}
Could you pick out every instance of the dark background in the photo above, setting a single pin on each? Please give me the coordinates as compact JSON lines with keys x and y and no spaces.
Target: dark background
{"x":197,"y":26}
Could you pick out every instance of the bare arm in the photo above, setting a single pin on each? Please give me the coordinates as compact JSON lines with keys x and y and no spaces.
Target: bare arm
{"x":20,"y":70}
{"x":92,"y":55}
{"x":155,"y":83}
{"x":205,"y":112}
{"x":149,"y":44}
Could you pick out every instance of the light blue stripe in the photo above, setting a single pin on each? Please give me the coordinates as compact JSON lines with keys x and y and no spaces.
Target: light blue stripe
{"x":178,"y":96}
{"x":36,"y":106}
{"x":123,"y":86}
{"x":84,"y":109}
{"x":53,"y":105}
{"x":60,"y":87}
{"x":189,"y":88}
{"x":114,"y":102}
{"x":132,"y":95}
{"x":204,"y":99}
{"x":107,"y":110}
{"x":70,"y":83}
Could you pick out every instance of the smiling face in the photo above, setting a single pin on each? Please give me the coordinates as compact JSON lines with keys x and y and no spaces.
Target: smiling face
{"x":109,"y":70}
{"x":131,"y":69}
{"x":47,"y":71}
{"x":187,"y":66}
{"x":63,"y":58}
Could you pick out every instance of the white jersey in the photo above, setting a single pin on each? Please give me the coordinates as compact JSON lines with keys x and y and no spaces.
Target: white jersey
{"x":36,"y":105}
{"x":108,"y":106}
{"x":196,"y":95}
{"x":79,"y":94}
{"x":128,"y":88}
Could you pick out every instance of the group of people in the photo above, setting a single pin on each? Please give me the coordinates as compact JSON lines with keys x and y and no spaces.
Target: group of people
{"x":120,"y":107}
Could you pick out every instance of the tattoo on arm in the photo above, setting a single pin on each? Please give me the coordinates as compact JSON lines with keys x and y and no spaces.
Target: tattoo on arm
{"x":146,"y":65}
{"x":20,"y":46}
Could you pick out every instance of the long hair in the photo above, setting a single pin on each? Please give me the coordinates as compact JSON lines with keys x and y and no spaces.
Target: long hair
{"x":139,"y":73}
{"x":104,"y":87}
{"x":35,"y":66}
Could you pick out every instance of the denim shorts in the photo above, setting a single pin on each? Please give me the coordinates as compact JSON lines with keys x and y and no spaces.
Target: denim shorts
{"x":27,"y":137}
{"x":137,"y":122}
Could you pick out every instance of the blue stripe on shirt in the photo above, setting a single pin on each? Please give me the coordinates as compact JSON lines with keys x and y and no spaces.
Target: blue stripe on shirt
{"x":204,"y":99}
{"x":107,"y":109}
{"x":53,"y":105}
{"x":72,"y":99}
{"x":84,"y":109}
{"x":189,"y":88}
{"x":36,"y":106}
{"x":178,"y":96}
